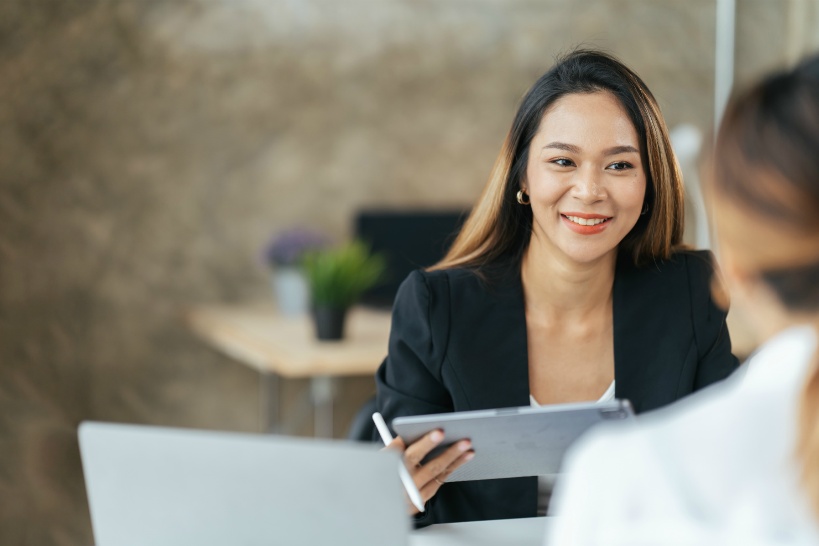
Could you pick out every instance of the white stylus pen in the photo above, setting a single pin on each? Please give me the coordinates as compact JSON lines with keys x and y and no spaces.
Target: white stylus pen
{"x":406,"y":479}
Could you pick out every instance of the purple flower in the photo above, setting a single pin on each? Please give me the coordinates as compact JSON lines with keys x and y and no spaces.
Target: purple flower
{"x":288,"y":247}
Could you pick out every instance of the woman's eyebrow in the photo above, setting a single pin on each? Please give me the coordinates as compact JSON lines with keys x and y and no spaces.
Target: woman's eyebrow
{"x":563,"y":146}
{"x":614,"y":150}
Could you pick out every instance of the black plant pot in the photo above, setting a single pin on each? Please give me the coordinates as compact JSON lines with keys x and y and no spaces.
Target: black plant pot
{"x":329,"y":322}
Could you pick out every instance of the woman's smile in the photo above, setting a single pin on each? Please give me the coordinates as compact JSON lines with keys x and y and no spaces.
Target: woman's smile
{"x":585,"y":219}
{"x":586,"y":226}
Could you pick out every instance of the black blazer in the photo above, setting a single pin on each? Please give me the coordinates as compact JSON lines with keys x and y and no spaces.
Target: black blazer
{"x":458,"y":343}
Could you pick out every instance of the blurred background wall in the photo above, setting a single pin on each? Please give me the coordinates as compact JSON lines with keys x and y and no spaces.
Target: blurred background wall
{"x":148,"y":148}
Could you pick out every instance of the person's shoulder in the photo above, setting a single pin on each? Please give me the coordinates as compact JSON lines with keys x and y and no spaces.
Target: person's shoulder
{"x":438,"y":283}
{"x":443,"y":277}
{"x":684,"y":265}
{"x":700,"y":419}
{"x":601,"y":458}
{"x":462,"y":278}
{"x":705,"y":413}
{"x":469,"y":287}
{"x":680,"y":259}
{"x":705,"y":409}
{"x":698,"y":262}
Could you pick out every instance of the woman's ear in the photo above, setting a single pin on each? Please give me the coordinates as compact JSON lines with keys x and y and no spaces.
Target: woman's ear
{"x":754,"y":306}
{"x":719,"y":291}
{"x":733,"y":279}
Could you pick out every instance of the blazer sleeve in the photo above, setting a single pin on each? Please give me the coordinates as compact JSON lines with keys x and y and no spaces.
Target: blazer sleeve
{"x":715,"y":360}
{"x":409,"y":381}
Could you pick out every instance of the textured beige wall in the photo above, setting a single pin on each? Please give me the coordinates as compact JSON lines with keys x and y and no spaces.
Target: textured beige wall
{"x":149,"y":147}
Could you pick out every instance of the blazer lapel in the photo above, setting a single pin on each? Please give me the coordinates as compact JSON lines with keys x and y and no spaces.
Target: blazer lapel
{"x":627,"y":318}
{"x":493,"y":367}
{"x":648,"y":340}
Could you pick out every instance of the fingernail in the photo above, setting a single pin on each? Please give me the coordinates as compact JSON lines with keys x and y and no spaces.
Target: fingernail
{"x":436,"y":436}
{"x":469,"y":456}
{"x":463,"y":446}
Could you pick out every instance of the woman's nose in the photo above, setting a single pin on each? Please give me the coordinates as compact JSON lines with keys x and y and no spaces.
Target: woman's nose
{"x":587,"y":186}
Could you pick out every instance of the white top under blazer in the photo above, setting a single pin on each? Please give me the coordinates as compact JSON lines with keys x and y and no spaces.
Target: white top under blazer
{"x":545,"y":484}
{"x":717,"y":467}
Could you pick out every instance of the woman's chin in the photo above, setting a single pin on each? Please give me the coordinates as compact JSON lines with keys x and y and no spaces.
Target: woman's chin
{"x":587,"y":255}
{"x":573,"y":248}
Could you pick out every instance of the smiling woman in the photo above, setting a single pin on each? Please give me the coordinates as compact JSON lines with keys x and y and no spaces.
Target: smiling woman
{"x":567,"y":283}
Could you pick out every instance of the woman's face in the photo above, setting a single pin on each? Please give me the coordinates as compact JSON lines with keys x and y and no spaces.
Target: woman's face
{"x":585,"y":177}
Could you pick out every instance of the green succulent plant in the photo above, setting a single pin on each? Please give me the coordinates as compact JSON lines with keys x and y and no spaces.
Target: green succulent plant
{"x":339,"y":276}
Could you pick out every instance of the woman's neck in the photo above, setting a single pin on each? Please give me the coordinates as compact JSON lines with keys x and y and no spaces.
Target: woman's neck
{"x":762,"y":312}
{"x":556,"y":287}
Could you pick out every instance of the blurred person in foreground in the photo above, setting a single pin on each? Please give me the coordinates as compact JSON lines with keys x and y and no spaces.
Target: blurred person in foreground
{"x":567,"y":283}
{"x":739,"y":462}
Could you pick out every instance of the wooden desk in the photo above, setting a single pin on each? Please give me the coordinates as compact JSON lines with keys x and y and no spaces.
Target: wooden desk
{"x":282,"y":346}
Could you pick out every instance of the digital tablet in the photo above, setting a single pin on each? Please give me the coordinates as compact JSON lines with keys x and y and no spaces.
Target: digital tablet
{"x":514,"y":442}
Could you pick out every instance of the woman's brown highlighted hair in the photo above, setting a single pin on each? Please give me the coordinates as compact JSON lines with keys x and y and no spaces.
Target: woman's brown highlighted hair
{"x":766,"y":161}
{"x":499,"y":227}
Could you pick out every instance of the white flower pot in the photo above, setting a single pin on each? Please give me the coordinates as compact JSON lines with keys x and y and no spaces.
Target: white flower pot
{"x":290,"y":290}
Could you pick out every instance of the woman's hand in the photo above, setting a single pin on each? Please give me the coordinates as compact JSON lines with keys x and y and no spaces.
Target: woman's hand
{"x":430,"y":476}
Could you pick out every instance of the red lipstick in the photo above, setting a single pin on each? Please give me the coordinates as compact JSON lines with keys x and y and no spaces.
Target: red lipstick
{"x":583,"y":229}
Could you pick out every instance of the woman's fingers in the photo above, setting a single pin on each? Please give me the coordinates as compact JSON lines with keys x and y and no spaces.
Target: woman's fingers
{"x":397,"y":444}
{"x":439,"y":467}
{"x":431,"y":488}
{"x":429,"y":477}
{"x":419,"y":449}
{"x":466,"y":457}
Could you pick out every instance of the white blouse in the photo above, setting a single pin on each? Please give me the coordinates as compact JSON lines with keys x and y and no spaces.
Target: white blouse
{"x":717,"y":467}
{"x":546,"y":483}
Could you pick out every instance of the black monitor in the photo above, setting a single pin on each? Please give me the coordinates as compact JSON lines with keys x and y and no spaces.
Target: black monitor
{"x":409,"y":239}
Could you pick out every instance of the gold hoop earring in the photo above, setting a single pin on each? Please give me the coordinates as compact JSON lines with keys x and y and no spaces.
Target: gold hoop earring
{"x":523,"y":199}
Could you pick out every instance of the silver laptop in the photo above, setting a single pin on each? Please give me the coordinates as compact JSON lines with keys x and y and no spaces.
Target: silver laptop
{"x":162,"y":486}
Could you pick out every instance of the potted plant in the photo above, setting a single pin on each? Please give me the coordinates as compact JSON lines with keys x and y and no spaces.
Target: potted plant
{"x":336,"y":278}
{"x":283,"y":254}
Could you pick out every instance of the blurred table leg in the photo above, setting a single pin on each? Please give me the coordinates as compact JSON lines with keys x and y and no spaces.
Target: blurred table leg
{"x":320,"y":398}
{"x":269,"y":401}
{"x":322,"y":393}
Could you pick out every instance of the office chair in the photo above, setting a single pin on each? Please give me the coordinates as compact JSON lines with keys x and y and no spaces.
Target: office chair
{"x":362,"y":428}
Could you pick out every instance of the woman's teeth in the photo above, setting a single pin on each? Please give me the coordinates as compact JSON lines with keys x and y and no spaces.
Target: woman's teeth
{"x":587,"y":221}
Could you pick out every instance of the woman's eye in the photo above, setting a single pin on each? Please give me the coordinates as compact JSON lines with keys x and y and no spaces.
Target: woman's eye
{"x":621,"y":166}
{"x":563,"y":162}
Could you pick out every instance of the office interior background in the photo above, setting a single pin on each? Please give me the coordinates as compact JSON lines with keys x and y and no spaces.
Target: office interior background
{"x":149,"y":148}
